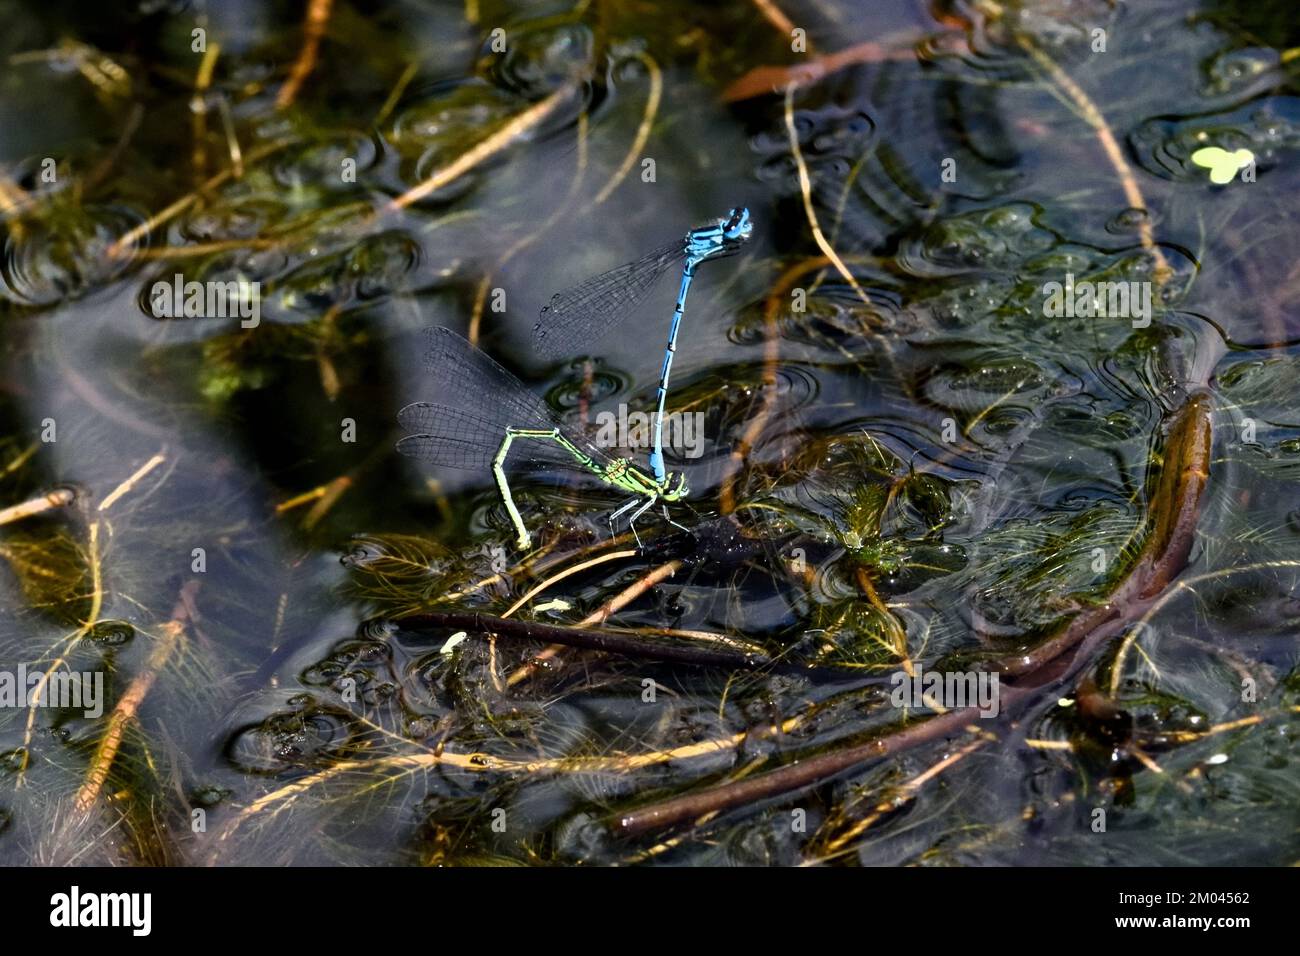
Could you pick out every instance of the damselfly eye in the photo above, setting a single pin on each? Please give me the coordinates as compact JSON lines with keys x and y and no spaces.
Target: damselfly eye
{"x":737,"y":226}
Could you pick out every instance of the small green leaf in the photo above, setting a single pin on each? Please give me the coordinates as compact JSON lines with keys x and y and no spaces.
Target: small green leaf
{"x":1222,"y":164}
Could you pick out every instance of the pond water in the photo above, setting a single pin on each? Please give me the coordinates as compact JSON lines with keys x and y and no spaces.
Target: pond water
{"x":1002,"y":386}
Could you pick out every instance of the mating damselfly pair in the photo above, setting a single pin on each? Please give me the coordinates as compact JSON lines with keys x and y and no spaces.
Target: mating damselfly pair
{"x":480,"y":409}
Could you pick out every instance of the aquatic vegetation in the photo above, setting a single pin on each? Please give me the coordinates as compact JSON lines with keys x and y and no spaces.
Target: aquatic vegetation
{"x":1001,"y":386}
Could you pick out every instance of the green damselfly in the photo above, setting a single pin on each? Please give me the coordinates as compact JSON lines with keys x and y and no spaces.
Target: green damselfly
{"x":578,"y":317}
{"x":481,"y":412}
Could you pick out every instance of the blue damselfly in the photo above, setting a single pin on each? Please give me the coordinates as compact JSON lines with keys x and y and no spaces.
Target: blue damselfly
{"x":578,"y":317}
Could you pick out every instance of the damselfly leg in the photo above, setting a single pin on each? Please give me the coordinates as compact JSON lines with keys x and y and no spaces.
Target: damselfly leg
{"x":481,"y":410}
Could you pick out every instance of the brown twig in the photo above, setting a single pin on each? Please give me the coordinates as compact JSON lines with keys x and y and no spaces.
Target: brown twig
{"x":1175,"y":510}
{"x":805,"y":190}
{"x":901,"y":795}
{"x":395,"y":94}
{"x":803,"y":773}
{"x":569,"y":572}
{"x":128,"y":239}
{"x":765,"y":80}
{"x":318,"y":15}
{"x":1092,"y":115}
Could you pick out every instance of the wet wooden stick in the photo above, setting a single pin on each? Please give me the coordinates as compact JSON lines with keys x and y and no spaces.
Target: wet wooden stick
{"x":597,"y":639}
{"x":318,"y":15}
{"x":765,"y":80}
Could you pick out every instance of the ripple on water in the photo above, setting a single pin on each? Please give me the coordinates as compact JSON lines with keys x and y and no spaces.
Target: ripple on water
{"x":994,"y":239}
{"x":540,"y":57}
{"x":1238,"y":71}
{"x":1267,"y":126}
{"x":65,"y":254}
{"x":990,"y":45}
{"x":831,"y":139}
{"x":321,"y":164}
{"x":371,"y":269}
{"x":292,"y":738}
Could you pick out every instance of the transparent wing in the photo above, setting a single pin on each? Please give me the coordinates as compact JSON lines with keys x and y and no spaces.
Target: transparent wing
{"x":456,"y":438}
{"x":463,"y":376}
{"x":578,"y":317}
{"x":475,"y":401}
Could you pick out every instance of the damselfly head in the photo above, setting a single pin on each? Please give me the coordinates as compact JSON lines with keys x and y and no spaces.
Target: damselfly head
{"x":674,"y":485}
{"x":737,"y":227}
{"x":722,"y":238}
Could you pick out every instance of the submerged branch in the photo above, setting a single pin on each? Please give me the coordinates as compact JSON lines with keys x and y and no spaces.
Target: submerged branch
{"x":805,"y":189}
{"x":764,"y":80}
{"x":616,"y":642}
